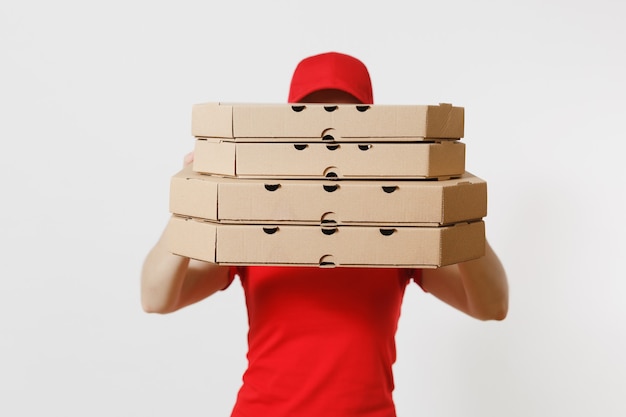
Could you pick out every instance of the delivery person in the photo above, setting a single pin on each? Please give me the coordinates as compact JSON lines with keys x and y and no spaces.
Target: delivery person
{"x":322,"y":341}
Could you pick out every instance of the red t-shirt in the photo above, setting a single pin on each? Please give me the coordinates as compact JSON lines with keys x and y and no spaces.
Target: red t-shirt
{"x":321,"y":341}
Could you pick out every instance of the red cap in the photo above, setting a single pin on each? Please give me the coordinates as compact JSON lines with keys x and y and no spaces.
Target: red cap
{"x":331,"y":70}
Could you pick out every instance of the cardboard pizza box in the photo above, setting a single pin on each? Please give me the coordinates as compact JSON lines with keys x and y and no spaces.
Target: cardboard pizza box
{"x":367,"y":246}
{"x":364,"y":202}
{"x":350,"y":122}
{"x":319,"y":160}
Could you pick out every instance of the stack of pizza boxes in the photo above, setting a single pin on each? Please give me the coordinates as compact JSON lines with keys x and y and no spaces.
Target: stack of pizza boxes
{"x":328,"y":185}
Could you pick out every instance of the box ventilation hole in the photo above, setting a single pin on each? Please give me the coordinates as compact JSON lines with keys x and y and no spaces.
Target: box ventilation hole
{"x":387,"y":232}
{"x":272,"y":187}
{"x":327,"y":261}
{"x":328,"y":219}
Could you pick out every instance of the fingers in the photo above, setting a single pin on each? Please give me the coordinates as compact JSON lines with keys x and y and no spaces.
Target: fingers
{"x":188,"y":159}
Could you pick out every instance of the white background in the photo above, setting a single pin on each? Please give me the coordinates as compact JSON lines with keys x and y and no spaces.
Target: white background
{"x":95,"y":106}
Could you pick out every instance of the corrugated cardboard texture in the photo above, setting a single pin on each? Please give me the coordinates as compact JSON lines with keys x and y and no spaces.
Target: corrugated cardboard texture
{"x":418,"y":247}
{"x":313,"y":202}
{"x":316,"y":160}
{"x":258,"y":121}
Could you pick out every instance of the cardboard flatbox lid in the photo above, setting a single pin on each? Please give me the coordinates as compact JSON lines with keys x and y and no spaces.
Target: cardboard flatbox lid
{"x":255,"y":121}
{"x":415,"y":202}
{"x":371,"y":246}
{"x":319,"y":160}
